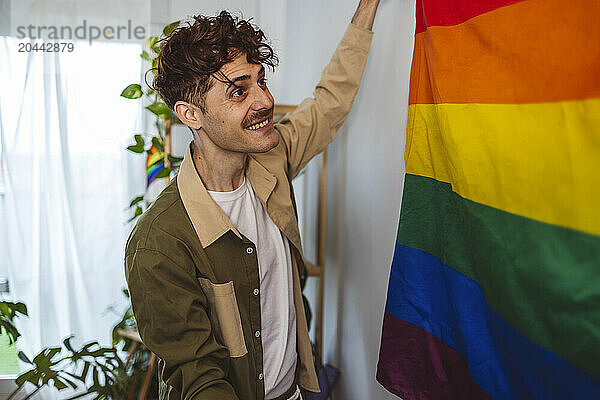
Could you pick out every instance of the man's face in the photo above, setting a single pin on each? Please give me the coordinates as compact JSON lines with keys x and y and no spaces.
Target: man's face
{"x":239,"y":115}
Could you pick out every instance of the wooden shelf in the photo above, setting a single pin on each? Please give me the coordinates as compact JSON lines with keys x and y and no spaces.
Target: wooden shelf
{"x":313,"y":270}
{"x":130,"y":334}
{"x":137,"y":341}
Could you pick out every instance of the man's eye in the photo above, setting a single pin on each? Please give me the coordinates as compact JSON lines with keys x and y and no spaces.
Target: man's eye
{"x":237,"y":93}
{"x":262,"y":82}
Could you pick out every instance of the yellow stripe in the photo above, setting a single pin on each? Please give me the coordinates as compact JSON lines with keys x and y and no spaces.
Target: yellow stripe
{"x":541,"y":161}
{"x":154,"y":158}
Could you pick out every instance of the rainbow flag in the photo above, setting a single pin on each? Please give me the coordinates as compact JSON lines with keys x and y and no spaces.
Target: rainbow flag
{"x":155,"y":162}
{"x":494,"y":291}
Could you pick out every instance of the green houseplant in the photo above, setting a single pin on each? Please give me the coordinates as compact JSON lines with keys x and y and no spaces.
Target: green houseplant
{"x":153,"y":144}
{"x":91,"y":370}
{"x":9,"y":311}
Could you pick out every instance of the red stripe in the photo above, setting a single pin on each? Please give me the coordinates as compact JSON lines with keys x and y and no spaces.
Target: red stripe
{"x":413,"y":364}
{"x":446,"y":13}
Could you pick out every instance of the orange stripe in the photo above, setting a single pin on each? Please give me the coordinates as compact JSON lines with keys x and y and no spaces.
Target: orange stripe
{"x":532,"y":51}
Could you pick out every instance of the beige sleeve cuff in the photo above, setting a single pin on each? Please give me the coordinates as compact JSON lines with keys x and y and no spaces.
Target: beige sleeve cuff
{"x":358,"y":37}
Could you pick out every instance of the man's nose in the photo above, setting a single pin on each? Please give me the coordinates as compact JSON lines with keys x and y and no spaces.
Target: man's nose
{"x":262,"y":98}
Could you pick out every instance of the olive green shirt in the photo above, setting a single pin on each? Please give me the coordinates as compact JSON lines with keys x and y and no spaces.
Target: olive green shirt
{"x":194,"y":279}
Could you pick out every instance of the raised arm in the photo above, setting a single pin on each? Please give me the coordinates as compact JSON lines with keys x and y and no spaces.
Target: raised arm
{"x":306,"y":131}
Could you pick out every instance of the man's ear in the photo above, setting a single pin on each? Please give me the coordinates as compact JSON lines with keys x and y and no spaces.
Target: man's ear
{"x":188,"y":114}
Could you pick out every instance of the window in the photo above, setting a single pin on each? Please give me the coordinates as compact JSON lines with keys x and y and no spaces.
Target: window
{"x":67,"y":175}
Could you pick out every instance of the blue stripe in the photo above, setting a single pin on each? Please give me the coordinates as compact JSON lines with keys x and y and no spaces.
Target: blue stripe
{"x":451,"y":306}
{"x":154,"y":172}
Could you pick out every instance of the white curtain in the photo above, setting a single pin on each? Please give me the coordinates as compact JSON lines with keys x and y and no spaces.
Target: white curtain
{"x":67,"y":182}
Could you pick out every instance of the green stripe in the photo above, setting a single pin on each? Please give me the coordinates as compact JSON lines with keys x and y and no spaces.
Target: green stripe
{"x":543,"y":279}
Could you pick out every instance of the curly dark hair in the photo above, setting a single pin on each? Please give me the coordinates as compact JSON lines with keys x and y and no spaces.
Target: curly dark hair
{"x":195,"y":51}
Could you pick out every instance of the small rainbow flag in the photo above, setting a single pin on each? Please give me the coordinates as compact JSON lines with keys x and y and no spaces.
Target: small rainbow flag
{"x":494,"y":290}
{"x":155,"y":162}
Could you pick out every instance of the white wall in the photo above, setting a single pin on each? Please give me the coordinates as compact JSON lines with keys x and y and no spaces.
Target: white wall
{"x":366,"y":166}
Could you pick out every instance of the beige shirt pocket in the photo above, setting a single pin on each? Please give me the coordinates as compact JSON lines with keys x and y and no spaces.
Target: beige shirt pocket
{"x":225,"y":316}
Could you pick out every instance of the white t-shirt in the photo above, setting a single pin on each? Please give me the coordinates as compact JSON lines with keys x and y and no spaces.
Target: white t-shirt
{"x":278,"y":315}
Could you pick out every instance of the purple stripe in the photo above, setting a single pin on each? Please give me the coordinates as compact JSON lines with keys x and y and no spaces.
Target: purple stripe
{"x":416,"y":365}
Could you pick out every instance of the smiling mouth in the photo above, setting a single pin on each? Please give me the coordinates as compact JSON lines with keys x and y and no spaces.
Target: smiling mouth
{"x":259,"y":125}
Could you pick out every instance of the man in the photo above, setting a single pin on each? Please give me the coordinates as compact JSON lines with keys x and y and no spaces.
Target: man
{"x":213,"y":265}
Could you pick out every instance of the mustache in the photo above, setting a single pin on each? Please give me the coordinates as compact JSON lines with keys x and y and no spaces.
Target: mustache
{"x":257,"y":117}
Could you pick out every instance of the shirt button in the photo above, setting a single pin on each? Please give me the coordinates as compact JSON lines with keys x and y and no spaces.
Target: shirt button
{"x":257,"y":333}
{"x":249,"y":250}
{"x":255,"y":292}
{"x":260,"y":376}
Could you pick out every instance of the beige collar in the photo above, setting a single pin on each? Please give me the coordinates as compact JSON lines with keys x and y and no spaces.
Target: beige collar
{"x":208,"y":219}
